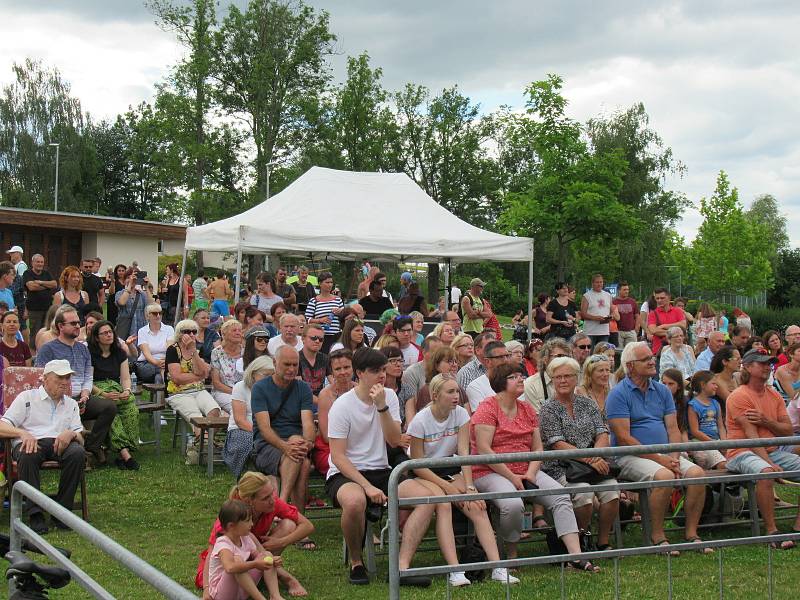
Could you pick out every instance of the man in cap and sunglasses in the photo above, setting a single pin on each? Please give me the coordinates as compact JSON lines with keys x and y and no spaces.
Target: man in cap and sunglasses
{"x":45,"y":424}
{"x":756,"y":411}
{"x":473,"y":310}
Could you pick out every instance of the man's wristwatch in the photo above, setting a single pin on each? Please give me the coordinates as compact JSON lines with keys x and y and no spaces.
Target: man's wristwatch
{"x":384,"y":409}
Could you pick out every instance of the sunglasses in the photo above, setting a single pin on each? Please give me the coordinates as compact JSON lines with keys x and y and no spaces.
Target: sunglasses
{"x":595,"y":358}
{"x":189,"y":331}
{"x":316,"y":338}
{"x":262,"y":338}
{"x":584,"y":347}
{"x":73,"y":323}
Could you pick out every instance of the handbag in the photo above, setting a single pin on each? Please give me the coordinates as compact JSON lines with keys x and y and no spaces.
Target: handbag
{"x":123,"y":329}
{"x":577,"y":471}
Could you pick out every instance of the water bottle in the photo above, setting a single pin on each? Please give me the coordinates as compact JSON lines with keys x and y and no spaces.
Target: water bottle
{"x":133,"y":382}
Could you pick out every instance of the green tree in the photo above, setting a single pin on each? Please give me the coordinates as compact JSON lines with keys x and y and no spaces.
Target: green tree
{"x":572,"y":194}
{"x":271,"y":69}
{"x":786,"y":291}
{"x":766,"y":211}
{"x":38,"y":109}
{"x":730,"y":253}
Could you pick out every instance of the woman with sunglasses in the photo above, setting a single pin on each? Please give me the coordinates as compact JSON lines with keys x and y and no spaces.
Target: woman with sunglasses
{"x":153,"y":340}
{"x":503,"y":424}
{"x":206,"y":339}
{"x":441,"y":430}
{"x":464,"y":346}
{"x":187,"y":372}
{"x":572,"y":421}
{"x":112,"y":381}
{"x":324,"y":309}
{"x":256,"y":341}
{"x":442,"y":361}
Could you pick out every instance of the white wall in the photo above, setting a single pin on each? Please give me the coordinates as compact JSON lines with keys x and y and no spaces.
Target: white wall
{"x":123,"y":249}
{"x":211,"y":260}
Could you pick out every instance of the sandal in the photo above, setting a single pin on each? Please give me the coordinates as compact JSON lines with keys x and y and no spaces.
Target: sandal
{"x":604,"y":547}
{"x":695,"y":540}
{"x":665,"y":542}
{"x":583,"y":565}
{"x":307,"y":544}
{"x":784,"y":545}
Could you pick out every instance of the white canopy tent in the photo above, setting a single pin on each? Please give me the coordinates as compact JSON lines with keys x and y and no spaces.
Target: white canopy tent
{"x":343,"y":215}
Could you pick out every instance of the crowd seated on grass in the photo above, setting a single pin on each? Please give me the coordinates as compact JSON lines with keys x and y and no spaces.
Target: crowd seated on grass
{"x":322,"y":391}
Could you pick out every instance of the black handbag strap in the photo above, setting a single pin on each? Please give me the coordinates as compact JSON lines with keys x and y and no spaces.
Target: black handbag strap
{"x":284,"y":398}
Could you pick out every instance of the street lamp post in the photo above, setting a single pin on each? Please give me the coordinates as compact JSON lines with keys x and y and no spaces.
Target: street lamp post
{"x":55,"y":191}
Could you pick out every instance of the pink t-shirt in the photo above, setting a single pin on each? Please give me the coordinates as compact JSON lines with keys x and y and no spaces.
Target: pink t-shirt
{"x":215,"y":569}
{"x":664,"y":317}
{"x":510,"y":435}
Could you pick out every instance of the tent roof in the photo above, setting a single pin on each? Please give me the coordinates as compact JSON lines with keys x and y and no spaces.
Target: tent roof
{"x":345,"y":215}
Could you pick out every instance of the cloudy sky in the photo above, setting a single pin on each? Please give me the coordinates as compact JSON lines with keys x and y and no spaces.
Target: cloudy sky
{"x":720,"y":80}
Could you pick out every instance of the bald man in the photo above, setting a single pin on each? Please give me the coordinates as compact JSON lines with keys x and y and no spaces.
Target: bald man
{"x":791,"y":336}
{"x":716,"y":340}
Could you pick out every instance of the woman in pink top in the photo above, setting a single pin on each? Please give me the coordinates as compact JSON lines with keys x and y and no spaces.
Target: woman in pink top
{"x":503,"y":424}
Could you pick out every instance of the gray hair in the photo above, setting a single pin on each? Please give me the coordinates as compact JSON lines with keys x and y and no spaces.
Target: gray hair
{"x":629,"y":354}
{"x":563,"y":361}
{"x":282,"y":350}
{"x":35,"y":256}
{"x":577,"y":337}
{"x":258,"y":364}
{"x":673,"y":331}
{"x":549,"y":346}
{"x":512,"y":345}
{"x":184,"y":324}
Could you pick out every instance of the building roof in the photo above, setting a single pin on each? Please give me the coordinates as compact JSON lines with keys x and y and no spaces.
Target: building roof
{"x":101,"y":224}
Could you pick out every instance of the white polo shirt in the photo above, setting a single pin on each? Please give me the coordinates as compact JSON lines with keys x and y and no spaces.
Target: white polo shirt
{"x":157,"y":342}
{"x":277,"y":342}
{"x":41,"y":416}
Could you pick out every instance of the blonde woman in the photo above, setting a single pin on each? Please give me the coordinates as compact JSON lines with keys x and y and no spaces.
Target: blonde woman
{"x":596,"y":383}
{"x":440,"y":430}
{"x":258,"y":491}
{"x":224,"y":374}
{"x":239,"y":441}
{"x":187,"y":373}
{"x":444,"y":331}
{"x":464,"y":347}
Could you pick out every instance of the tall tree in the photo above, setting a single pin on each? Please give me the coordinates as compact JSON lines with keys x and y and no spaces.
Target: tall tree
{"x":271,"y":67}
{"x":38,"y":109}
{"x":730,"y":254}
{"x":572,"y":194}
{"x":766,"y":211}
{"x":786,"y":291}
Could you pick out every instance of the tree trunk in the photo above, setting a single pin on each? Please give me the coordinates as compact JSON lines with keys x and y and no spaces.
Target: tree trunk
{"x":562,"y":258}
{"x":433,"y":283}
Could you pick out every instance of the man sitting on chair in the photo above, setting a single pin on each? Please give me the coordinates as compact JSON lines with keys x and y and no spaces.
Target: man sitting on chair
{"x":46,"y":425}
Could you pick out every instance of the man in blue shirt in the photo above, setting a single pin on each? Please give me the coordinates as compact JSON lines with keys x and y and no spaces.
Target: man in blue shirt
{"x":283,"y":426}
{"x":7,"y":275}
{"x":641,"y":411}
{"x":716,"y":340}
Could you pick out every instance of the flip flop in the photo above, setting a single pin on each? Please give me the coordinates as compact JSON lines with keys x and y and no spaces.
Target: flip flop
{"x":700,"y":550}
{"x":665,"y":542}
{"x":307,"y":544}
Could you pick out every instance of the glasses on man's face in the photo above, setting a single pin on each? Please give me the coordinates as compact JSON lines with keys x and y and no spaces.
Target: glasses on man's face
{"x":499,"y":356}
{"x":564,"y":377}
{"x":73,"y":323}
{"x":316,"y":338}
{"x":584,"y":346}
{"x":645,"y":360}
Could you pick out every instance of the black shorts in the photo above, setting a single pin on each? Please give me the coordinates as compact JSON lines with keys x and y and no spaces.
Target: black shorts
{"x":380,"y":479}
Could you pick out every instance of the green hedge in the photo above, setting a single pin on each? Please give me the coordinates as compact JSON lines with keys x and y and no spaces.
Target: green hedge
{"x":778,"y":319}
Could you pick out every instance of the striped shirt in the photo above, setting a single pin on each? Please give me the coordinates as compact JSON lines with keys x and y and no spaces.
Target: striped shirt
{"x":469,"y":373}
{"x":79,"y":360}
{"x":317,"y":309}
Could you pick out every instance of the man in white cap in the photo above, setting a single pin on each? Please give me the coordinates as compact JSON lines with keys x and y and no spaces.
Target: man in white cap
{"x":46,"y":425}
{"x":15,"y":256}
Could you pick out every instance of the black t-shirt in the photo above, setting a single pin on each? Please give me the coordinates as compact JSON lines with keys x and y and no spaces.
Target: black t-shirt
{"x":38,"y":300}
{"x":303,"y":293}
{"x":92,"y":285}
{"x":108,"y":367}
{"x":560,"y":314}
{"x":314,"y":375}
{"x":375,"y":308}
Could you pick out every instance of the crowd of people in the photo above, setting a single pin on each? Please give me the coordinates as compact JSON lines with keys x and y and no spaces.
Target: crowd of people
{"x":310,"y":382}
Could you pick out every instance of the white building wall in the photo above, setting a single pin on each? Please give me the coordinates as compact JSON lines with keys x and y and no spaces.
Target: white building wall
{"x":116,"y":249}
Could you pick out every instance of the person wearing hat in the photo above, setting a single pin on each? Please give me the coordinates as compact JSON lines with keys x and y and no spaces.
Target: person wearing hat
{"x":405,"y":280}
{"x":15,"y":256}
{"x":472,"y":308}
{"x":45,"y":424}
{"x":755,"y":411}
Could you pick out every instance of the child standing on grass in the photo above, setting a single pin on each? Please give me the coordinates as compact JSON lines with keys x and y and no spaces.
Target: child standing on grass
{"x":237,"y":561}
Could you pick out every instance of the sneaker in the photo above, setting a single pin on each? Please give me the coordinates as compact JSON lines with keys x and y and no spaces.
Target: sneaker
{"x":38,"y":524}
{"x":131,"y":464}
{"x":502,"y":575}
{"x":458,"y":579}
{"x":120,"y":464}
{"x":358,"y":575}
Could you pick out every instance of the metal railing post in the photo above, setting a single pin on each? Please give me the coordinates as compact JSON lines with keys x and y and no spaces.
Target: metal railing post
{"x":394,"y":532}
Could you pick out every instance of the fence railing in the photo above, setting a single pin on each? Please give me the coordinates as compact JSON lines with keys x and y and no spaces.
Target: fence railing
{"x":19,"y":531}
{"x":395,"y":503}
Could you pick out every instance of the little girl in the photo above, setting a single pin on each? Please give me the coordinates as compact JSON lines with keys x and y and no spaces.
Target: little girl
{"x":238,"y":561}
{"x":705,"y":419}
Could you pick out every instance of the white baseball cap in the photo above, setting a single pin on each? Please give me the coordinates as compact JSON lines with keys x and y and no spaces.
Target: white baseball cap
{"x":59,"y":367}
{"x":15,"y":249}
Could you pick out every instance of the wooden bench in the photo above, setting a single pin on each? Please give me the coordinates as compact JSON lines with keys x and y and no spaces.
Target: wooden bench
{"x":210,"y":425}
{"x":156,"y":407}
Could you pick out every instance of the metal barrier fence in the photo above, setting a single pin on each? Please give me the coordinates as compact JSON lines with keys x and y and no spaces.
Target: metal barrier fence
{"x":395,"y":503}
{"x":145,"y":571}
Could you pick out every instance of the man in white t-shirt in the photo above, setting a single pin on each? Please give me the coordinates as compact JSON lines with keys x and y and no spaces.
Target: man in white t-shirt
{"x":404,"y":331}
{"x":455,"y":295}
{"x":597,"y":310}
{"x":495,"y":354}
{"x":290,"y":329}
{"x":360,"y":424}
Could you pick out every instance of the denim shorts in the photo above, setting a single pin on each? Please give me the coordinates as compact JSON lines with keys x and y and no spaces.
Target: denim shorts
{"x":750,"y":463}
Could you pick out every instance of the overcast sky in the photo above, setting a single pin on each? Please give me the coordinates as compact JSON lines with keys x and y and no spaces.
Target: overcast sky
{"x":720,"y":80}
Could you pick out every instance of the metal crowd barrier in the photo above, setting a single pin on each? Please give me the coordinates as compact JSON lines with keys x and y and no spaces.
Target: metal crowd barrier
{"x":158,"y":580}
{"x":395,"y":503}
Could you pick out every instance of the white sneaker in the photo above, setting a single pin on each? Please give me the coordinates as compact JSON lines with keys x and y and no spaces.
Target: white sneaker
{"x":503,"y":575}
{"x":458,"y":579}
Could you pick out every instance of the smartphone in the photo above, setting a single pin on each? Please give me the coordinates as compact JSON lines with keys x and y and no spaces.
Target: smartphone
{"x":529,"y":485}
{"x":140,"y":275}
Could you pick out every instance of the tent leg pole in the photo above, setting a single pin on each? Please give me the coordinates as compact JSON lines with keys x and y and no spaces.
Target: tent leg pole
{"x":447,"y":287}
{"x":238,"y":267}
{"x":179,"y":309}
{"x":530,"y":295}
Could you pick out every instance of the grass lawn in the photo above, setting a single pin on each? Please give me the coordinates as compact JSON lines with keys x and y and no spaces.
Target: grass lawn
{"x":164,"y":512}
